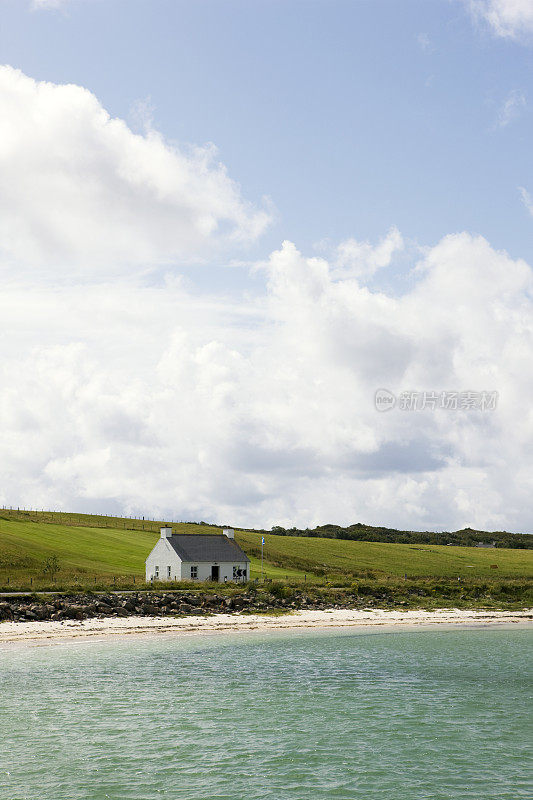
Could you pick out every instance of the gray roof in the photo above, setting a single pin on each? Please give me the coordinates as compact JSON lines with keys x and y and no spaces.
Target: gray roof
{"x":206,"y":547}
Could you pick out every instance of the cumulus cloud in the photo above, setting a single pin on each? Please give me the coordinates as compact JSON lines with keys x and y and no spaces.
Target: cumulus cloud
{"x":81,"y":193}
{"x":363,"y":258}
{"x":156,"y":400}
{"x":148,"y":397}
{"x":511,"y":19}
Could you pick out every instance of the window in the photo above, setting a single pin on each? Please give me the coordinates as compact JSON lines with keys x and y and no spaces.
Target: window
{"x":156,"y":571}
{"x":168,"y":572}
{"x":194,"y":572}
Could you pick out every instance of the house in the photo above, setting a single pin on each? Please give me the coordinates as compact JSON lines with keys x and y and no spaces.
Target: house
{"x":486,"y":544}
{"x":197,"y":557}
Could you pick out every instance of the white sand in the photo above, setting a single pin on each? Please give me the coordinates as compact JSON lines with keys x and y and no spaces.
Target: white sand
{"x":47,"y":632}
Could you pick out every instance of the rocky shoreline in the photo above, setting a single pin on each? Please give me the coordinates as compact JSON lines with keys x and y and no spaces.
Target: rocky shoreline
{"x":78,"y":607}
{"x":139,"y":604}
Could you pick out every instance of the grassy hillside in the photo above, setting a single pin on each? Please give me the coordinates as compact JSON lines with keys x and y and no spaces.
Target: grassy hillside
{"x":114,"y":549}
{"x":91,"y":554}
{"x":382,"y":559}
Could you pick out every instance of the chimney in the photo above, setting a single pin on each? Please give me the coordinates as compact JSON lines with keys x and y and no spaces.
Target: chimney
{"x":166,"y":532}
{"x":229,"y":532}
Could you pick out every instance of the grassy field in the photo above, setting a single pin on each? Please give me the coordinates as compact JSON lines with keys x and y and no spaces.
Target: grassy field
{"x":109,"y":550}
{"x":336,"y":556}
{"x":112,"y":553}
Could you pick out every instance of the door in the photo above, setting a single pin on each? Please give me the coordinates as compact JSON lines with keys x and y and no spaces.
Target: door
{"x":215,"y":573}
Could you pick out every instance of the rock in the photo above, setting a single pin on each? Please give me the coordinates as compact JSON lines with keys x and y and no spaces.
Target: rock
{"x":109,"y":600}
{"x":73,"y":612}
{"x":38,"y":611}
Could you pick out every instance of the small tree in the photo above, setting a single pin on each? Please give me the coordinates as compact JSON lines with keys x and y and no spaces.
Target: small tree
{"x":51,"y":567}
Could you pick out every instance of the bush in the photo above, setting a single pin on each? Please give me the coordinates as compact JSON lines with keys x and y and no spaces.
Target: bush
{"x":51,"y":567}
{"x":279,"y":590}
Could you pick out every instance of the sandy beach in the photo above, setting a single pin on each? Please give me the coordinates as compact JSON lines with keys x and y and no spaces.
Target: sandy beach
{"x":43,"y":632}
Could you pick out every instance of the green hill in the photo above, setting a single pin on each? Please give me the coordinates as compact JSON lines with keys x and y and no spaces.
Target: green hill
{"x":101,"y":550}
{"x":358,"y":559}
{"x":90,"y":550}
{"x":467,"y":537}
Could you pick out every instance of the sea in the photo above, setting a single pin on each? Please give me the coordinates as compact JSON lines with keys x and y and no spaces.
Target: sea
{"x":436,"y":714}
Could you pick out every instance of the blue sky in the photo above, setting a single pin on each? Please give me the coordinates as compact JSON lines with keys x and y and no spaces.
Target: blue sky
{"x":191,"y":333}
{"x":350,"y":116}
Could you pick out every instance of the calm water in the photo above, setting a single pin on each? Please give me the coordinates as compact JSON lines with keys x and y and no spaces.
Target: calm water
{"x":388,"y":716}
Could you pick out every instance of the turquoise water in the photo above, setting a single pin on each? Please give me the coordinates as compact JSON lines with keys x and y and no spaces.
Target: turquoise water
{"x":426,"y":714}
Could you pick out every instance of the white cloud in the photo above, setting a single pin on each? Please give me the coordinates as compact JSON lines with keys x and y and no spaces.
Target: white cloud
{"x":512,"y":19}
{"x":80,"y":192}
{"x":142,"y":114}
{"x":155,"y":400}
{"x":364,"y":259}
{"x":510,"y":110}
{"x":48,"y":4}
{"x":252,"y":409}
{"x":526,"y":199}
{"x":424,"y":42}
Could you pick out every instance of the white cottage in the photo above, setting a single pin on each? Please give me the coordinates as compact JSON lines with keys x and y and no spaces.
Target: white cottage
{"x":197,"y":557}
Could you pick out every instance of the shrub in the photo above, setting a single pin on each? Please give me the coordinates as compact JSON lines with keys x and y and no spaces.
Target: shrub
{"x":279,"y":590}
{"x":51,"y":567}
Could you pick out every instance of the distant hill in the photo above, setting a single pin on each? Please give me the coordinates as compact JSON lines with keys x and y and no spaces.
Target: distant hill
{"x":467,"y":537}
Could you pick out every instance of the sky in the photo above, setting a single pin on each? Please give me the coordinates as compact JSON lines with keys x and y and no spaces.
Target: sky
{"x":226,"y":225}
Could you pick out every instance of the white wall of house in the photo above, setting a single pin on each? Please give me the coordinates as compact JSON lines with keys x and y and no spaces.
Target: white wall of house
{"x":163,"y":564}
{"x":160,"y":559}
{"x":225,"y":569}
